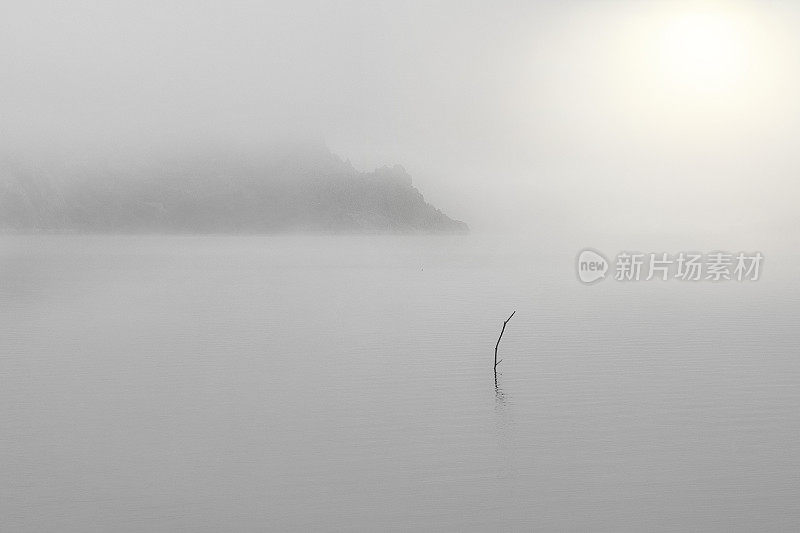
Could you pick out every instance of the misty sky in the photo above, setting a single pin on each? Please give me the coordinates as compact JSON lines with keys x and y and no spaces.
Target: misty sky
{"x":620,"y":116}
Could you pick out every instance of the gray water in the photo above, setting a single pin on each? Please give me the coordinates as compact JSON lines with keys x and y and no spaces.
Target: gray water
{"x":152,"y":383}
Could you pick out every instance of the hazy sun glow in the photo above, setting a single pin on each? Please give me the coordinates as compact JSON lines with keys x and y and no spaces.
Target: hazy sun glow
{"x":703,"y":51}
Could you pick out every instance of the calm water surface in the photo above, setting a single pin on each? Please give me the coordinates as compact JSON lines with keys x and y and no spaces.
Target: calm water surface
{"x":152,"y":383}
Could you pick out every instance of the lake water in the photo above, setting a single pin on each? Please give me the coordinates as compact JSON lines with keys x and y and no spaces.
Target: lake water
{"x":213,"y":383}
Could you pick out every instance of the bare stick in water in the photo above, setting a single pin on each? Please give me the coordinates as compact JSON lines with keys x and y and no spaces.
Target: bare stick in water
{"x":496,"y":362}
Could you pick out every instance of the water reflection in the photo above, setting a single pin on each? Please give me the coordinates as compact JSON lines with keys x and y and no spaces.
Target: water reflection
{"x":499,"y":395}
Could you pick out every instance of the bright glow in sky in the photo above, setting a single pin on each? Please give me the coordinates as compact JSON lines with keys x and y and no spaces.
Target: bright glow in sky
{"x":703,"y":51}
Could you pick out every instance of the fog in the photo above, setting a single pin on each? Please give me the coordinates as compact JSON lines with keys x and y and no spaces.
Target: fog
{"x":514,"y":116}
{"x":226,"y":307}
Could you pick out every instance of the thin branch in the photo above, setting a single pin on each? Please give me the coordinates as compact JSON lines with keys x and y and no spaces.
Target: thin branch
{"x":496,"y":346}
